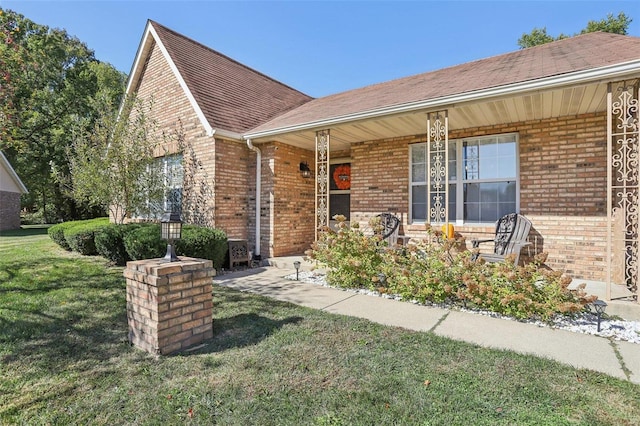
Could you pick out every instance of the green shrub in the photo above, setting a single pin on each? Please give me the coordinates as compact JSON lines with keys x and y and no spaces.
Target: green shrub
{"x":56,"y":233}
{"x":80,"y":235}
{"x":354,"y":259}
{"x":439,"y":270}
{"x":110,"y":242}
{"x":203,"y":243}
{"x":145,"y":242}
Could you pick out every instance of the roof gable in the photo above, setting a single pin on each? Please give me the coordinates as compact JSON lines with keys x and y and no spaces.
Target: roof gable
{"x":572,"y":55}
{"x":9,"y":180}
{"x":226,"y":95}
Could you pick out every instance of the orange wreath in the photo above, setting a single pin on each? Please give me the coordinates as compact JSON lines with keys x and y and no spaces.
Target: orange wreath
{"x":342,"y":176}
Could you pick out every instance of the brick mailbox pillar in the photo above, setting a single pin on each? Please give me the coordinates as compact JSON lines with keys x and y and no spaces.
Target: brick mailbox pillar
{"x":169,"y":304}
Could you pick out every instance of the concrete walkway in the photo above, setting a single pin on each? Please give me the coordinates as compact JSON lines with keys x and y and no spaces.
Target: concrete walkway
{"x":618,"y":359}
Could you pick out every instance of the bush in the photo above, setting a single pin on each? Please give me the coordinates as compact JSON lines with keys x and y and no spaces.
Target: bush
{"x":203,"y":243}
{"x":354,"y":259}
{"x":145,"y":242}
{"x":56,"y":233}
{"x":80,"y":235}
{"x":440,"y":270}
{"x":110,"y":242}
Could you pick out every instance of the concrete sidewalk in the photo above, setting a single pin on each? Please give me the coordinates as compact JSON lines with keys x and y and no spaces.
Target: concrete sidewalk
{"x":618,"y":359}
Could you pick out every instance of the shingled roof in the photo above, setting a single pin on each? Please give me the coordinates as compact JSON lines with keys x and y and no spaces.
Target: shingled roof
{"x":571,"y":55}
{"x":232,"y":96}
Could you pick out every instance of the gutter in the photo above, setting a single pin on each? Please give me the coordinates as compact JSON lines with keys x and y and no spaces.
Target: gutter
{"x":599,"y":74}
{"x":256,"y":252}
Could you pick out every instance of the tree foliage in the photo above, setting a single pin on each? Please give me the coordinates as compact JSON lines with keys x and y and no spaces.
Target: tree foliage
{"x":611,"y":24}
{"x":113,"y":164}
{"x":50,"y":83}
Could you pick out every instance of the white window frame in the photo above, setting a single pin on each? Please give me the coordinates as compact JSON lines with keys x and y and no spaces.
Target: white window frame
{"x":459,"y":179}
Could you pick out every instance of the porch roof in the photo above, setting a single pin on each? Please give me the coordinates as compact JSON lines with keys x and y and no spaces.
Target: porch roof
{"x":592,"y":58}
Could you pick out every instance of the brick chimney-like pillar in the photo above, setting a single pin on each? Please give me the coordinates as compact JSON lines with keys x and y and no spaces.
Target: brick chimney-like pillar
{"x":169,"y":304}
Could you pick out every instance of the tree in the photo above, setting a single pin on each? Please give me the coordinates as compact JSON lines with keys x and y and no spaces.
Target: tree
{"x":51,"y":82}
{"x":611,"y":24}
{"x":113,"y":164}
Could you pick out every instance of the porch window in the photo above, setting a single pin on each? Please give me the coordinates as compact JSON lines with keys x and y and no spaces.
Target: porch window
{"x":483,"y":179}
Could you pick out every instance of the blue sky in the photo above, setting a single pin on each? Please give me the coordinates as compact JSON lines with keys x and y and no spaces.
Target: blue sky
{"x":324,"y":47}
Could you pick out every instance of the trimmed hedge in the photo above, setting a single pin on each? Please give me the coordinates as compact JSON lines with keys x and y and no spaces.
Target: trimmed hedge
{"x":137,"y":241}
{"x":80,"y":236}
{"x":145,"y":243}
{"x":203,"y":243}
{"x":56,"y":233}
{"x":77,"y":235}
{"x":110,"y":242}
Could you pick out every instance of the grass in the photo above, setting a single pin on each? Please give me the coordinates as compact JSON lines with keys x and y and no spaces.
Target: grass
{"x":65,"y":359}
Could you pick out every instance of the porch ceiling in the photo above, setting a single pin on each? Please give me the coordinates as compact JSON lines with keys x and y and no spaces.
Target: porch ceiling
{"x":530,"y":106}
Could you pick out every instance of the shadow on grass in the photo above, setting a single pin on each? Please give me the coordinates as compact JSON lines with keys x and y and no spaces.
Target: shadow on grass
{"x":26,"y":231}
{"x":53,"y":273}
{"x":244,"y":330}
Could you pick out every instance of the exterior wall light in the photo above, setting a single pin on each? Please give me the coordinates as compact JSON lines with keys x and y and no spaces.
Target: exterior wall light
{"x":296,"y":265}
{"x":305,"y":171}
{"x":171,"y":230}
{"x":599,"y":306}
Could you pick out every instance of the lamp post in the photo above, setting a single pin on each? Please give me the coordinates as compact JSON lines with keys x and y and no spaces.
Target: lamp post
{"x":599,"y":306}
{"x":296,"y":265}
{"x":171,"y":230}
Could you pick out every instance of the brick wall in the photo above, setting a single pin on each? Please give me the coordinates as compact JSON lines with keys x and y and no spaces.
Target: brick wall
{"x":9,"y":210}
{"x":169,"y":304}
{"x":235,"y":189}
{"x":562,"y":187}
{"x":288,"y":200}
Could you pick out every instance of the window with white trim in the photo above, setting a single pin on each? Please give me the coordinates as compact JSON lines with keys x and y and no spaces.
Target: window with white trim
{"x":170,"y":198}
{"x":483,"y":179}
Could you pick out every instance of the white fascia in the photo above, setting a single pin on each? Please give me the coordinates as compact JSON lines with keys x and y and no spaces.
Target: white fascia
{"x":12,"y":173}
{"x":607,"y":73}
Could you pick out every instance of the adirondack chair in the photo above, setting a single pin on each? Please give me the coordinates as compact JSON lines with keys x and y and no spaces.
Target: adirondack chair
{"x":390,"y":227}
{"x":512,"y":231}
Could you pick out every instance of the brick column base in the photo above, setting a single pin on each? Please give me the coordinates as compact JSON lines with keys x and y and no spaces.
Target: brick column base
{"x":169,"y":304}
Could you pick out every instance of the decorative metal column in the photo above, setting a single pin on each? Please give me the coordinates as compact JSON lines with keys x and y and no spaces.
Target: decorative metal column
{"x":438,"y":164}
{"x":623,"y":185}
{"x":322,"y":180}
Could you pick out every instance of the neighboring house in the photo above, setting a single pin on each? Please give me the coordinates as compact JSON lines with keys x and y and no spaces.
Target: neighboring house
{"x":527,"y":131}
{"x":11,"y":187}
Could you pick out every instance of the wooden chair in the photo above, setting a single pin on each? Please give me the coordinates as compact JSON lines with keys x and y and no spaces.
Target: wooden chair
{"x":390,"y":227}
{"x":512,"y":231}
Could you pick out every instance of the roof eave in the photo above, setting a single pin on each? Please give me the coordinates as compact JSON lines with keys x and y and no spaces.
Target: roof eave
{"x":137,"y":67}
{"x":21,"y":186}
{"x":609,"y":72}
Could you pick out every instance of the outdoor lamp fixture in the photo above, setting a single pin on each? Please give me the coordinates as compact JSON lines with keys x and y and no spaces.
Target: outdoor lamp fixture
{"x":305,"y":171}
{"x":599,"y":306}
{"x":296,"y":265}
{"x":171,"y":230}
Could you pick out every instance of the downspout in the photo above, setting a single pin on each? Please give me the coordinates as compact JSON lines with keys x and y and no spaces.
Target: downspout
{"x":256,"y":252}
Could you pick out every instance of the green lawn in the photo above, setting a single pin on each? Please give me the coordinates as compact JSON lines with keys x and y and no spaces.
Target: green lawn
{"x":65,"y":359}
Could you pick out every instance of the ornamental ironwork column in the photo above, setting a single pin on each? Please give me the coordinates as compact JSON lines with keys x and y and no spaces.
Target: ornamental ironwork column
{"x":322,"y":180}
{"x":623,"y":185}
{"x":438,"y":163}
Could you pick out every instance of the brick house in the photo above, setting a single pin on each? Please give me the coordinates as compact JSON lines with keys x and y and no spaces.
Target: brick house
{"x":11,"y":187}
{"x":546,"y":131}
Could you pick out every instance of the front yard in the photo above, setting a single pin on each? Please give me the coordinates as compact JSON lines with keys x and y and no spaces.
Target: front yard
{"x":65,"y":359}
